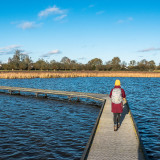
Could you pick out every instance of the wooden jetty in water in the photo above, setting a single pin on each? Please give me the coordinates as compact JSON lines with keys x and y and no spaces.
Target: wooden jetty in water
{"x":104,"y":143}
{"x":107,"y":144}
{"x":11,"y":90}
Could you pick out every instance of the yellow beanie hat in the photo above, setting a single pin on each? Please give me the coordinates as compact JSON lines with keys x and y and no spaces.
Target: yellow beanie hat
{"x":117,"y":83}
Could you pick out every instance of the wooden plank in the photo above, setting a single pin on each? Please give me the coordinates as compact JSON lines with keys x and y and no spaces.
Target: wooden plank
{"x":115,"y":145}
{"x":87,"y":148}
{"x":95,"y":96}
{"x":107,"y":144}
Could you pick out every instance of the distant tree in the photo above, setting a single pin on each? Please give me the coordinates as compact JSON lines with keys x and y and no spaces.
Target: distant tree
{"x":116,"y":63}
{"x":16,"y":56}
{"x":73,"y":61}
{"x":151,"y":65}
{"x":41,"y":64}
{"x":108,"y":65}
{"x":23,"y":66}
{"x":143,"y":65}
{"x":81,"y":66}
{"x":73,"y":65}
{"x":15,"y":61}
{"x":132,"y":63}
{"x":123,"y":65}
{"x":25,"y":63}
{"x":65,"y":60}
{"x":88,"y":67}
{"x":65,"y":63}
{"x":53,"y":65}
{"x":95,"y":63}
{"x":158,"y":67}
{"x":1,"y":67}
{"x":19,"y":61}
{"x":52,"y":61}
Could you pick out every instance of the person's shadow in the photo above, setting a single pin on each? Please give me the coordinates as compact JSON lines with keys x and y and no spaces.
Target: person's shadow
{"x":125,"y":112}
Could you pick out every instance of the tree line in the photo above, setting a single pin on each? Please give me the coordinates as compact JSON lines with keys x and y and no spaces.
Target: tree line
{"x":21,"y":61}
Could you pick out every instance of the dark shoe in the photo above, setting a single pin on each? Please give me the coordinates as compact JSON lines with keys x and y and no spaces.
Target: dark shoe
{"x":115,"y":127}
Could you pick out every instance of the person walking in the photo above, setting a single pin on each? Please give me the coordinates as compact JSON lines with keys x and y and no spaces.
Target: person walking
{"x":117,"y":96}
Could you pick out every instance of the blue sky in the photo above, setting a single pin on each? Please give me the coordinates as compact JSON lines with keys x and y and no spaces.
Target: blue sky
{"x":81,"y":29}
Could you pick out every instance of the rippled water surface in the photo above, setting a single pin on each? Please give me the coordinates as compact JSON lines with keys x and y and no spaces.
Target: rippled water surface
{"x":34,"y":128}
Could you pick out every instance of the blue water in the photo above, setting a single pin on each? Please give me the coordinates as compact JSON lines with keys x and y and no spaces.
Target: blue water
{"x":32,"y":128}
{"x":142,"y":95}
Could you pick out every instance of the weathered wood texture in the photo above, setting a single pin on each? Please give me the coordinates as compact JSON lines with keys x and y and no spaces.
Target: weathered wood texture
{"x":115,"y":145}
{"x":95,"y":96}
{"x":107,"y":144}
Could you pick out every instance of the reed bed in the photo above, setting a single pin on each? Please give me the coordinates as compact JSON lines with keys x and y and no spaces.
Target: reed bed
{"x":49,"y":74}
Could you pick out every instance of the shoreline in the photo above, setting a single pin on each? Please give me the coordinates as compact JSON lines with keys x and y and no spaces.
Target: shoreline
{"x":73,"y":74}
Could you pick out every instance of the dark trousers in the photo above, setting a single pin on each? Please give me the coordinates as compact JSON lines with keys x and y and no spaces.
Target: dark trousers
{"x":116,"y":118}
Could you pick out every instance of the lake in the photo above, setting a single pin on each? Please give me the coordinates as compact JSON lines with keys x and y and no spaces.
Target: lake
{"x":47,"y":129}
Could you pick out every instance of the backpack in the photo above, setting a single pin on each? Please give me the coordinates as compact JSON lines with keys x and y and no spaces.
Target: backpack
{"x":117,"y":96}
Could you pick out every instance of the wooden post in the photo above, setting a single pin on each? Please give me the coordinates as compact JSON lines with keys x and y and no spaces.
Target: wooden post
{"x":78,"y":99}
{"x":10,"y":91}
{"x":69,"y":98}
{"x":36,"y":94}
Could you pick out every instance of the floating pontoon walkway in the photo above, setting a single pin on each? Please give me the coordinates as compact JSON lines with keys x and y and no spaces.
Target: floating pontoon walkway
{"x":107,"y":144}
{"x":99,"y":97}
{"x":104,"y":143}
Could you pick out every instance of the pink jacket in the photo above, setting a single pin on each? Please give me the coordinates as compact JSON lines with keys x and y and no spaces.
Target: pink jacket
{"x":117,"y":108}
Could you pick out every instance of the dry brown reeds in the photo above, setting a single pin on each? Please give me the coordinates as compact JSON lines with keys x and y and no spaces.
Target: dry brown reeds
{"x":62,"y":74}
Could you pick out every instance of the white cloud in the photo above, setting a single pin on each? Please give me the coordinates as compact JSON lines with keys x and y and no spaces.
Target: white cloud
{"x":50,"y":53}
{"x":28,"y":25}
{"x":51,"y":10}
{"x":54,"y":52}
{"x":99,"y":12}
{"x":149,"y":49}
{"x":9,"y":49}
{"x":126,"y":20}
{"x":60,"y":17}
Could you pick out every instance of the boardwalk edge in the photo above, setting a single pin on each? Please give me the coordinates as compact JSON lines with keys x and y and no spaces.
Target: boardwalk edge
{"x":138,"y":135}
{"x":89,"y":143}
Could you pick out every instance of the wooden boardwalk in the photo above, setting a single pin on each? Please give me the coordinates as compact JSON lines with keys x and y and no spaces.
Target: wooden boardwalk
{"x":11,"y":90}
{"x":108,"y":144}
{"x":104,"y":143}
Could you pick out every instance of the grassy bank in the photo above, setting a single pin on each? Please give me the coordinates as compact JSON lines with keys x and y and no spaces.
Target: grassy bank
{"x":63,"y":74}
